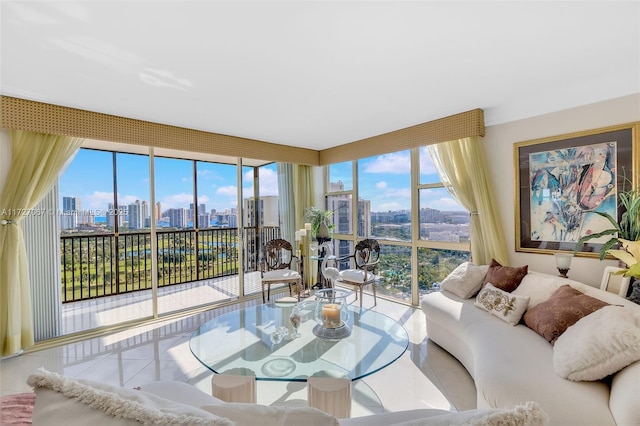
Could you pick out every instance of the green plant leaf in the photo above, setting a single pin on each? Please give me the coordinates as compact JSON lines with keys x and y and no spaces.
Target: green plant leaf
{"x":623,"y":255}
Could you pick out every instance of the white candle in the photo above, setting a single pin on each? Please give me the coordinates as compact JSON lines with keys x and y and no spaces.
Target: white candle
{"x":303,"y":232}
{"x":331,"y":315}
{"x":307,"y":226}
{"x":297,"y":235}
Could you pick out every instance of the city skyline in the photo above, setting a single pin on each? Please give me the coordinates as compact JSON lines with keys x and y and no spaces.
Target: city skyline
{"x":383,"y":180}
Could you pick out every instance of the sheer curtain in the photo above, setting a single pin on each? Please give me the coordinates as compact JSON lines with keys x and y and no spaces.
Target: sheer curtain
{"x":285,"y":201}
{"x":304,"y":190}
{"x":462,"y":167}
{"x":36,"y":160}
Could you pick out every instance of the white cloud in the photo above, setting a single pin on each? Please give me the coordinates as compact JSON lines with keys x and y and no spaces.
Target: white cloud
{"x":393,"y":206}
{"x":228,"y":191}
{"x":127,"y":199}
{"x":268,"y":182}
{"x":181,"y":200}
{"x":381,"y":185}
{"x":98,"y":200}
{"x":398,"y":193}
{"x":389,"y":163}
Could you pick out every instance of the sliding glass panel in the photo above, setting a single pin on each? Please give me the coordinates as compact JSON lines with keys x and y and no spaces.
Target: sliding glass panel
{"x":341,"y":177}
{"x":176,"y":237}
{"x":217,"y":222}
{"x":434,"y":265}
{"x":87,"y":244}
{"x":341,"y":207}
{"x":384,"y":191}
{"x":394,"y":270}
{"x":441,"y":217}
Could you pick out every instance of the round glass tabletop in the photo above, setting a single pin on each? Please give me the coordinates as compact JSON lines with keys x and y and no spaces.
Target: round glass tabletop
{"x":248,"y":342}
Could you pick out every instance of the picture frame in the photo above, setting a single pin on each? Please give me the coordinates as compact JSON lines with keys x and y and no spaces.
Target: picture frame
{"x":561,"y":180}
{"x":615,"y":283}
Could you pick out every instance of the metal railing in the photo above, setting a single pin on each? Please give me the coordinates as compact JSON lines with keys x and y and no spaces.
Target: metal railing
{"x":99,"y":265}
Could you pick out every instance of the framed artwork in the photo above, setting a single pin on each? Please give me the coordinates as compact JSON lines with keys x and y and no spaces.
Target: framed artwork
{"x":561,"y":181}
{"x":613,"y":283}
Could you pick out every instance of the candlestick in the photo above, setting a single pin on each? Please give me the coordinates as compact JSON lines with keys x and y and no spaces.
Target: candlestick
{"x":331,"y":315}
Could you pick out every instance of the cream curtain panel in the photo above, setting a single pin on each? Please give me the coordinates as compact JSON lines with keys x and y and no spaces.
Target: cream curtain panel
{"x":36,"y":161}
{"x":286,"y":199}
{"x":305,"y":195}
{"x":462,"y":167}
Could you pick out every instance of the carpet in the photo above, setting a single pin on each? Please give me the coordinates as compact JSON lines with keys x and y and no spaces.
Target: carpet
{"x":17,"y":409}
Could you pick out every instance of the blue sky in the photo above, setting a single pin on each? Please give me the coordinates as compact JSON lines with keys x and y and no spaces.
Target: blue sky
{"x":384,"y":180}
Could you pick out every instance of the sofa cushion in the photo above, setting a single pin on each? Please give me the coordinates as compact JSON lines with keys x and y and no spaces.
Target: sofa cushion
{"x":465,"y":280}
{"x":598,"y":345}
{"x":85,"y":402}
{"x":254,"y":414}
{"x":357,"y":275}
{"x":505,"y":278}
{"x":527,"y":414}
{"x":280,"y":274}
{"x":565,"y":307}
{"x":506,"y":306}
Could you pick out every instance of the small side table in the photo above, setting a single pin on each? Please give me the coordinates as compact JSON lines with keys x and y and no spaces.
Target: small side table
{"x":331,"y":395}
{"x":231,"y":388}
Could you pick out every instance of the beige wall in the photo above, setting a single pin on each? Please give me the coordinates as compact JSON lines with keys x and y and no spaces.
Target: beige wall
{"x":499,"y":141}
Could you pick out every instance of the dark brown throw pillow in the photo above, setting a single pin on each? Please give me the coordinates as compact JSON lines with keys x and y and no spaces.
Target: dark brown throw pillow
{"x":563,"y":309}
{"x":506,"y":278}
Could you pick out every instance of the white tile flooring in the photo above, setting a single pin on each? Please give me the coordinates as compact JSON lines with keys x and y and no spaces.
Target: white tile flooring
{"x":424,"y":377}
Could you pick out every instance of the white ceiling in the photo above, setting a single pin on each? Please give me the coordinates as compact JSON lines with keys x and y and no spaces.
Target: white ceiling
{"x":318,"y":74}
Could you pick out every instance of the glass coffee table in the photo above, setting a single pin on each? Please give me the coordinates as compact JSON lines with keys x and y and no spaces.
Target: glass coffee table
{"x":240,"y":343}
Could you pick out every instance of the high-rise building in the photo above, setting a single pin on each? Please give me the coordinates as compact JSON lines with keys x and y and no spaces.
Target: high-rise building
{"x":135,"y":217}
{"x":112,"y":214}
{"x":158,"y":212}
{"x":178,"y":217}
{"x":70,"y":208}
{"x":268,"y":211}
{"x":204,"y":221}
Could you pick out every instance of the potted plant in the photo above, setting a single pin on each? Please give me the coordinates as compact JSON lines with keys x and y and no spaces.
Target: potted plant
{"x":630,"y":256}
{"x":319,"y":217}
{"x":627,"y":229}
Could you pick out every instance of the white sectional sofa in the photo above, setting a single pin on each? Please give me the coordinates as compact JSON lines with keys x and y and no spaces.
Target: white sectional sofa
{"x":514,"y":363}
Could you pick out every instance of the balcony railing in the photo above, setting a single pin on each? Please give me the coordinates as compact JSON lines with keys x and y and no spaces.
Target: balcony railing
{"x":108,"y":264}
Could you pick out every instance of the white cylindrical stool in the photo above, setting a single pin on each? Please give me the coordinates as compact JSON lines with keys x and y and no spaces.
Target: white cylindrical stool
{"x":331,"y":395}
{"x":231,"y":388}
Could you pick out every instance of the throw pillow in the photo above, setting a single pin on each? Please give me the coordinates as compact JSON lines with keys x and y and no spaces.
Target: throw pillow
{"x":598,"y":345}
{"x":505,"y":278}
{"x":85,"y":402}
{"x":506,"y":306}
{"x":465,"y":280}
{"x":565,"y":307}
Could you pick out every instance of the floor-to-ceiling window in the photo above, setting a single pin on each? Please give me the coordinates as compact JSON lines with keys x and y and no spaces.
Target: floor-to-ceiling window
{"x":113,"y":206}
{"x":423,"y":233}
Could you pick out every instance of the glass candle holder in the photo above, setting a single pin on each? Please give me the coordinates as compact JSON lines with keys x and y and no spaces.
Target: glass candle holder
{"x":332,"y":314}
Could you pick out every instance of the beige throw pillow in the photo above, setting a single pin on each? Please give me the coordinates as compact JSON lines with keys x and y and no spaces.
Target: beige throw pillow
{"x":465,"y":280}
{"x":506,"y":306}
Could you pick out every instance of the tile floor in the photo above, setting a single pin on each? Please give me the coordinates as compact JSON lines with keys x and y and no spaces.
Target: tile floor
{"x":424,"y":377}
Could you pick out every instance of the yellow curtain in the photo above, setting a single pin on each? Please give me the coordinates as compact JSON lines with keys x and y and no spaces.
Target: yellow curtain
{"x":304,"y":190}
{"x":36,"y":160}
{"x":462,"y":166}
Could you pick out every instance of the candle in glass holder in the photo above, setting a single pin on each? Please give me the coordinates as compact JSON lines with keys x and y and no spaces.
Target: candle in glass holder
{"x":331,"y":315}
